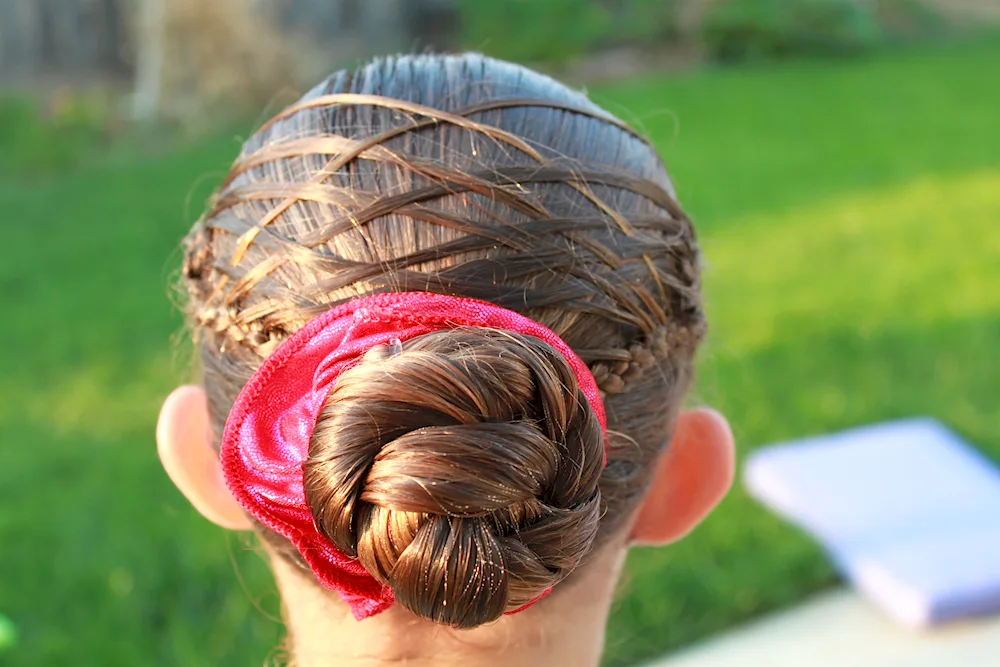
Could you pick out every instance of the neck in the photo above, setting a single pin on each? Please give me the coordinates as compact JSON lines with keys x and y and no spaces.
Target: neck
{"x":567,"y":628}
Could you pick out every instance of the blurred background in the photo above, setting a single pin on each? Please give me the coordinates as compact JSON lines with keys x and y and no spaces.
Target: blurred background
{"x":841,"y":159}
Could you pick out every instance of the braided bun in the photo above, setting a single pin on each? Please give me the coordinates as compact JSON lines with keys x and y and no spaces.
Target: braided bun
{"x":461,"y":471}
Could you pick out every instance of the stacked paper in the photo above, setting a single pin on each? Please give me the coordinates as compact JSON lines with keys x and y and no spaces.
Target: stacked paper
{"x":909,"y":513}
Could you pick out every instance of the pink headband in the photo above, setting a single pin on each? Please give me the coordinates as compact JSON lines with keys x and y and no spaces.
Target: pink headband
{"x":266,"y":439}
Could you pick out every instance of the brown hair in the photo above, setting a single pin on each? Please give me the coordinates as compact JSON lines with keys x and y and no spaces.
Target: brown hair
{"x":463,"y":470}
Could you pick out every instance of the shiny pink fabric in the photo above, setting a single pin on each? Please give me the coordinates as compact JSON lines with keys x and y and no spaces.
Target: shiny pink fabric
{"x":266,"y":439}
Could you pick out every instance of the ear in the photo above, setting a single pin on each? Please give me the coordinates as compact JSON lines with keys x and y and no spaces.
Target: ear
{"x":184,"y":442}
{"x":690,"y":479}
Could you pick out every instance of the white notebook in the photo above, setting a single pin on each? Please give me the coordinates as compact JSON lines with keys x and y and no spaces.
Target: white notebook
{"x":909,"y":513}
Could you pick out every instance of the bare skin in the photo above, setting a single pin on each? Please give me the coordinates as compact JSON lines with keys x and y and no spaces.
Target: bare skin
{"x":567,"y":628}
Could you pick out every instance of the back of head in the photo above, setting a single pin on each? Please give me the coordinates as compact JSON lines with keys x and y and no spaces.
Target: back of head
{"x":464,"y":469}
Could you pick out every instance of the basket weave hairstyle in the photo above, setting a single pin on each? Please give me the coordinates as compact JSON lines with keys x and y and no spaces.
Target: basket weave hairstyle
{"x":470,"y":177}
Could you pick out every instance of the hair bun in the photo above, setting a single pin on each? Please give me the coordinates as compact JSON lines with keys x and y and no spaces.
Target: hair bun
{"x":462,"y":471}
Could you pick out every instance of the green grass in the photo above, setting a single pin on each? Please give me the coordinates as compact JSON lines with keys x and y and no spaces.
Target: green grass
{"x":848,"y":212}
{"x":45,"y":138}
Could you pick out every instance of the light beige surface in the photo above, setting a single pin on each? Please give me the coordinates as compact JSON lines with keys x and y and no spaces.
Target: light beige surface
{"x":841,"y":629}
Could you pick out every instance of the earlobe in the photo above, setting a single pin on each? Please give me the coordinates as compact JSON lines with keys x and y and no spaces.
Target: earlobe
{"x":184,"y":442}
{"x":691,"y":478}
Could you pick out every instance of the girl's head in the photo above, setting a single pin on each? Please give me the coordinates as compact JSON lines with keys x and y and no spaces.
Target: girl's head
{"x":462,"y":468}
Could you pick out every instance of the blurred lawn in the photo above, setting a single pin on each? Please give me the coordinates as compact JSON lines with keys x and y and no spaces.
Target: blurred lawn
{"x":850,"y":214}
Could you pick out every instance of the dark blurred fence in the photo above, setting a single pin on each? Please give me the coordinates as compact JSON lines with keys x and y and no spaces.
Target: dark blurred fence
{"x":350,"y":28}
{"x":73,"y":37}
{"x":402,"y":24}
